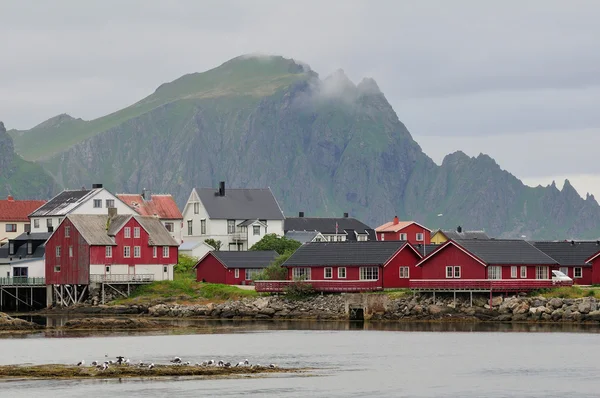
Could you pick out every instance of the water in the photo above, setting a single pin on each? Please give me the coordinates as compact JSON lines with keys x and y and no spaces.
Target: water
{"x":352,"y":360}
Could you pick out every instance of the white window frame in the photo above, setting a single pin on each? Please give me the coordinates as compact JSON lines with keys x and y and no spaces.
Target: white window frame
{"x":170,"y":226}
{"x":49,"y":222}
{"x":538,"y":272}
{"x":202,"y":227}
{"x":137,"y":252}
{"x":403,"y":236}
{"x":110,"y":203}
{"x":302,"y":273}
{"x":107,"y":269}
{"x":58,"y":251}
{"x":251,"y":273}
{"x":165,"y":253}
{"x":97,"y":203}
{"x":523,"y":274}
{"x":126,"y":251}
{"x":236,"y":273}
{"x":154,"y":252}
{"x":494,"y":272}
{"x":404,"y":272}
{"x":36,"y":223}
{"x":419,"y":236}
{"x":513,"y":271}
{"x":330,"y":269}
{"x":190,"y":227}
{"x":108,"y":252}
{"x":67,"y":231}
{"x":136,"y":232}
{"x":127,"y":232}
{"x":382,"y":236}
{"x":339,"y":272}
{"x":457,"y":272}
{"x":368,"y":273}
{"x":256,"y":230}
{"x":196,"y":208}
{"x":449,"y":272}
{"x":29,"y":247}
{"x":230,"y":227}
{"x":577,"y":275}
{"x":71,"y":251}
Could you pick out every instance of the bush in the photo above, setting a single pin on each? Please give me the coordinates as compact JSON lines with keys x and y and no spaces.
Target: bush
{"x":299,"y":290}
{"x":591,"y":293}
{"x":280,"y":244}
{"x":185,"y":264}
{"x":275,"y":272}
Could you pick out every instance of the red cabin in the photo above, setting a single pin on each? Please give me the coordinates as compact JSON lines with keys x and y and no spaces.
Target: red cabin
{"x":572,"y":258}
{"x":594,"y":261}
{"x":232,"y":267}
{"x":409,"y":231}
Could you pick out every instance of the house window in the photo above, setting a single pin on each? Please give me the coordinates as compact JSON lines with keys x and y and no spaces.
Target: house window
{"x":495,"y":272}
{"x":189,"y":227}
{"x":49,"y":222}
{"x":403,"y":236}
{"x":404,"y":272}
{"x":108,"y":269}
{"x":369,"y":273}
{"x":362,"y":238}
{"x":165,"y":269}
{"x":339,"y":238}
{"x":541,"y":272}
{"x":127,"y":232}
{"x":165,"y":251}
{"x":382,"y":236}
{"x":564,"y":270}
{"x":266,"y":225}
{"x":513,"y":271}
{"x":301,"y":273}
{"x":57,"y":268}
{"x":577,"y":272}
{"x":70,"y":251}
{"x":137,"y":251}
{"x":27,"y":227}
{"x":126,"y":251}
{"x":331,"y":238}
{"x":108,"y":252}
{"x":110,"y":203}
{"x":453,"y":271}
{"x":230,"y":226}
{"x":29,"y":248}
{"x":420,"y":237}
{"x":67,"y":231}
{"x":11,"y":248}
{"x":36,"y":223}
{"x":169,"y":226}
{"x":202,"y":227}
{"x":457,"y":271}
{"x":342,"y":273}
{"x":97,"y":203}
{"x":60,"y":220}
{"x":11,"y":227}
{"x":57,"y":251}
{"x":251,"y":273}
{"x":256,"y":229}
{"x":136,"y":232}
{"x":154,"y":251}
{"x":523,"y":272}
{"x":236,"y":273}
{"x":196,"y":208}
{"x":328,"y":273}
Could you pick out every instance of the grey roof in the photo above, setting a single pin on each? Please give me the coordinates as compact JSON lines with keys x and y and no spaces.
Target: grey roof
{"x":65,"y":202}
{"x":506,"y":251}
{"x":158,"y":234}
{"x":246,"y":259}
{"x":325,"y":225}
{"x":34,"y":236}
{"x":240,"y":204}
{"x":301,"y":236}
{"x":316,"y":254}
{"x":464,"y":235}
{"x":92,"y":228}
{"x":371,"y":233}
{"x":569,"y":253}
{"x":426,"y":250}
{"x":247,"y":223}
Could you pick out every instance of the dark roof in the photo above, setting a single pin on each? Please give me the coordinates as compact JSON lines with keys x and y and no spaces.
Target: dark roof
{"x":426,"y":250}
{"x":246,"y":259}
{"x":63,"y":203}
{"x":301,"y":236}
{"x":371,"y":233}
{"x":567,"y":253}
{"x":240,"y":204}
{"x":506,"y":251}
{"x":464,"y":235}
{"x":316,"y":254}
{"x":34,"y":236}
{"x":324,"y":225}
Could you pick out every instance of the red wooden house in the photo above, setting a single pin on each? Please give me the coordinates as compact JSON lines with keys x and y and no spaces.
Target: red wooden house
{"x":409,"y":231}
{"x":594,"y":261}
{"x":572,"y":258}
{"x":103,"y":248}
{"x":504,"y":265}
{"x":232,"y":267}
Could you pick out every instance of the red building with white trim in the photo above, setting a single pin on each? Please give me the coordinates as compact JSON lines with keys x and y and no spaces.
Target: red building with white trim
{"x":410,"y":231}
{"x":231,"y":267}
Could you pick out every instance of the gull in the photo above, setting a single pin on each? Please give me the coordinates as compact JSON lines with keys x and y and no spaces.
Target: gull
{"x":104,"y":366}
{"x":187,"y":363}
{"x":176,"y":360}
{"x":95,"y":363}
{"x":220,"y":363}
{"x":272,"y":366}
{"x":211,"y":362}
{"x":151,"y":366}
{"x":245,"y":363}
{"x":127,"y":362}
{"x":81,"y":363}
{"x":227,"y":364}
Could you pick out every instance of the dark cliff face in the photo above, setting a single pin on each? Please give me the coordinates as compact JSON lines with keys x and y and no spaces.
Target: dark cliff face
{"x":6,"y":149}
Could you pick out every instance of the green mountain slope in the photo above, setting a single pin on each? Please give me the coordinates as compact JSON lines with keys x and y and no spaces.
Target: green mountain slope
{"x":324,"y":146}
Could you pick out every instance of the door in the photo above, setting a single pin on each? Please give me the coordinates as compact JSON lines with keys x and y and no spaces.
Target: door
{"x":165,"y":272}
{"x":131,"y":272}
{"x":20,"y":274}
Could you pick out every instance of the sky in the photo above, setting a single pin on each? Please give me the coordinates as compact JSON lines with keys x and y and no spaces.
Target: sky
{"x":517,"y":79}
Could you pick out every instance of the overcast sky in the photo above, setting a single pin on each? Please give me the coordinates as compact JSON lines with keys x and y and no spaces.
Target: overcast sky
{"x":519,"y":80}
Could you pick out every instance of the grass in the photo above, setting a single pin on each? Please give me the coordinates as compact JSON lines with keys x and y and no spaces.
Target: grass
{"x":396,"y":293}
{"x":571,"y":292}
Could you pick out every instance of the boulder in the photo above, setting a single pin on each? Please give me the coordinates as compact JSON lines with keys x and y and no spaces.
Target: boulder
{"x":585,"y":307}
{"x":496,"y":301}
{"x":557,"y":314}
{"x":594,"y":316}
{"x":521,"y":308}
{"x":555,"y":303}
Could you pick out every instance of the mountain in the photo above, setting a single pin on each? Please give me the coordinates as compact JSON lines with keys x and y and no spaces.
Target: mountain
{"x":324,"y":146}
{"x":22,"y":179}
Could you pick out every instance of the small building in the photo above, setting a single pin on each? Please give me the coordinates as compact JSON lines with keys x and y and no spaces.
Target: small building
{"x":14,"y":217}
{"x":572,"y":257}
{"x":410,"y":231}
{"x":231,"y":267}
{"x":195,"y":249}
{"x":440,"y":236}
{"x":332,"y":229}
{"x":594,"y":261}
{"x":162,"y":206}
{"x":305,"y":236}
{"x":237,"y":217}
{"x":82,"y":201}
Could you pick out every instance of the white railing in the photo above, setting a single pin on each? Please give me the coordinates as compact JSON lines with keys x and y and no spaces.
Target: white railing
{"x":134,"y":278}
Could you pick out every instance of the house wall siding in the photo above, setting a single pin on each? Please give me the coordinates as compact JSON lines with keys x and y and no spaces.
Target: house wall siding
{"x":391,"y":271}
{"x":435,"y":267}
{"x":73,"y":270}
{"x":211,"y":270}
{"x":5,"y":236}
{"x":411,"y":232}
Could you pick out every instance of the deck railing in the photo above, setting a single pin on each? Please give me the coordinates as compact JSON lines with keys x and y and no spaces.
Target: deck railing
{"x":123,"y":278}
{"x":501,"y":285}
{"x":336,"y":286}
{"x":22,"y":281}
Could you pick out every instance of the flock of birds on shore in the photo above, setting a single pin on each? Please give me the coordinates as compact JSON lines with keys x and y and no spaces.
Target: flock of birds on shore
{"x":176,"y":361}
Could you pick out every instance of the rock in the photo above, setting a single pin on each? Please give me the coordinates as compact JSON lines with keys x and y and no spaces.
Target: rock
{"x":557,"y":314}
{"x":111,"y":323}
{"x":267,"y":311}
{"x":555,"y":303}
{"x":496,"y":301}
{"x":585,"y":307}
{"x":546,"y":316}
{"x":434,"y":309}
{"x":158,"y":310}
{"x":261,"y":303}
{"x":594,"y":316}
{"x":521,"y":308}
{"x":504,"y":318}
{"x":520,"y":317}
{"x":10,"y":323}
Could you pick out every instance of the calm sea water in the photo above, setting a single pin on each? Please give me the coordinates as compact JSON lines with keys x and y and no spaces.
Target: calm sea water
{"x":353,"y":360}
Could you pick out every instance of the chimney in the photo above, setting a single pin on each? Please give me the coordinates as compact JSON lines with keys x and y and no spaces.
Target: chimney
{"x":10,"y":198}
{"x":301,"y":214}
{"x":112,"y":211}
{"x":95,"y":186}
{"x":572,"y":243}
{"x":144,"y":193}
{"x":396,"y":220}
{"x":50,"y":229}
{"x":345,"y":215}
{"x":459,"y":229}
{"x":222,"y":188}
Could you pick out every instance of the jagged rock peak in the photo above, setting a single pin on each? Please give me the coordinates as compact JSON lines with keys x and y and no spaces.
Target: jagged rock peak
{"x":368,"y":86}
{"x":457,"y":157}
{"x":569,"y":189}
{"x":2,"y":128}
{"x":6,"y":148}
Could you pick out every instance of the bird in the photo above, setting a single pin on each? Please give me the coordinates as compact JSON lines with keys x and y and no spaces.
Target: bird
{"x":204,"y":363}
{"x":141,"y":363}
{"x":227,"y":364}
{"x":151,"y":366}
{"x":111,"y":362}
{"x":127,"y":362}
{"x":176,"y":360}
{"x":244,"y":363}
{"x":272,"y":366}
{"x":104,"y":366}
{"x":187,"y":363}
{"x":211,"y":362}
{"x":95,"y":363}
{"x":220,"y":363}
{"x":120,"y":360}
{"x":81,"y":363}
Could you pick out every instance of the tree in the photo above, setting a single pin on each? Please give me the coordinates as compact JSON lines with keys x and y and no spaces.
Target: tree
{"x":185,"y":264}
{"x":280,"y":244}
{"x":275,"y":272}
{"x":214,"y":243}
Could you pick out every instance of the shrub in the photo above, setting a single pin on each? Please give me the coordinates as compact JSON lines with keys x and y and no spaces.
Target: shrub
{"x":185,"y":264}
{"x":299,"y":290}
{"x":275,"y":272}
{"x":280,"y":244}
{"x":591,"y":293}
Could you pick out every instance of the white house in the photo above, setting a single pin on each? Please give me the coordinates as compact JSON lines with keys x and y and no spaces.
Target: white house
{"x":24,"y":256}
{"x":84,"y":201}
{"x":196,"y":249}
{"x":237,"y":217}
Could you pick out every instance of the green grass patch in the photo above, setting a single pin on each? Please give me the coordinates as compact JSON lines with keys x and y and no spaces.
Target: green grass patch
{"x":570,"y":292}
{"x":397,"y":293}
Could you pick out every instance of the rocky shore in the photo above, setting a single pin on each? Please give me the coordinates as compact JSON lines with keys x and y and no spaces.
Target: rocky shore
{"x":10,"y":323}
